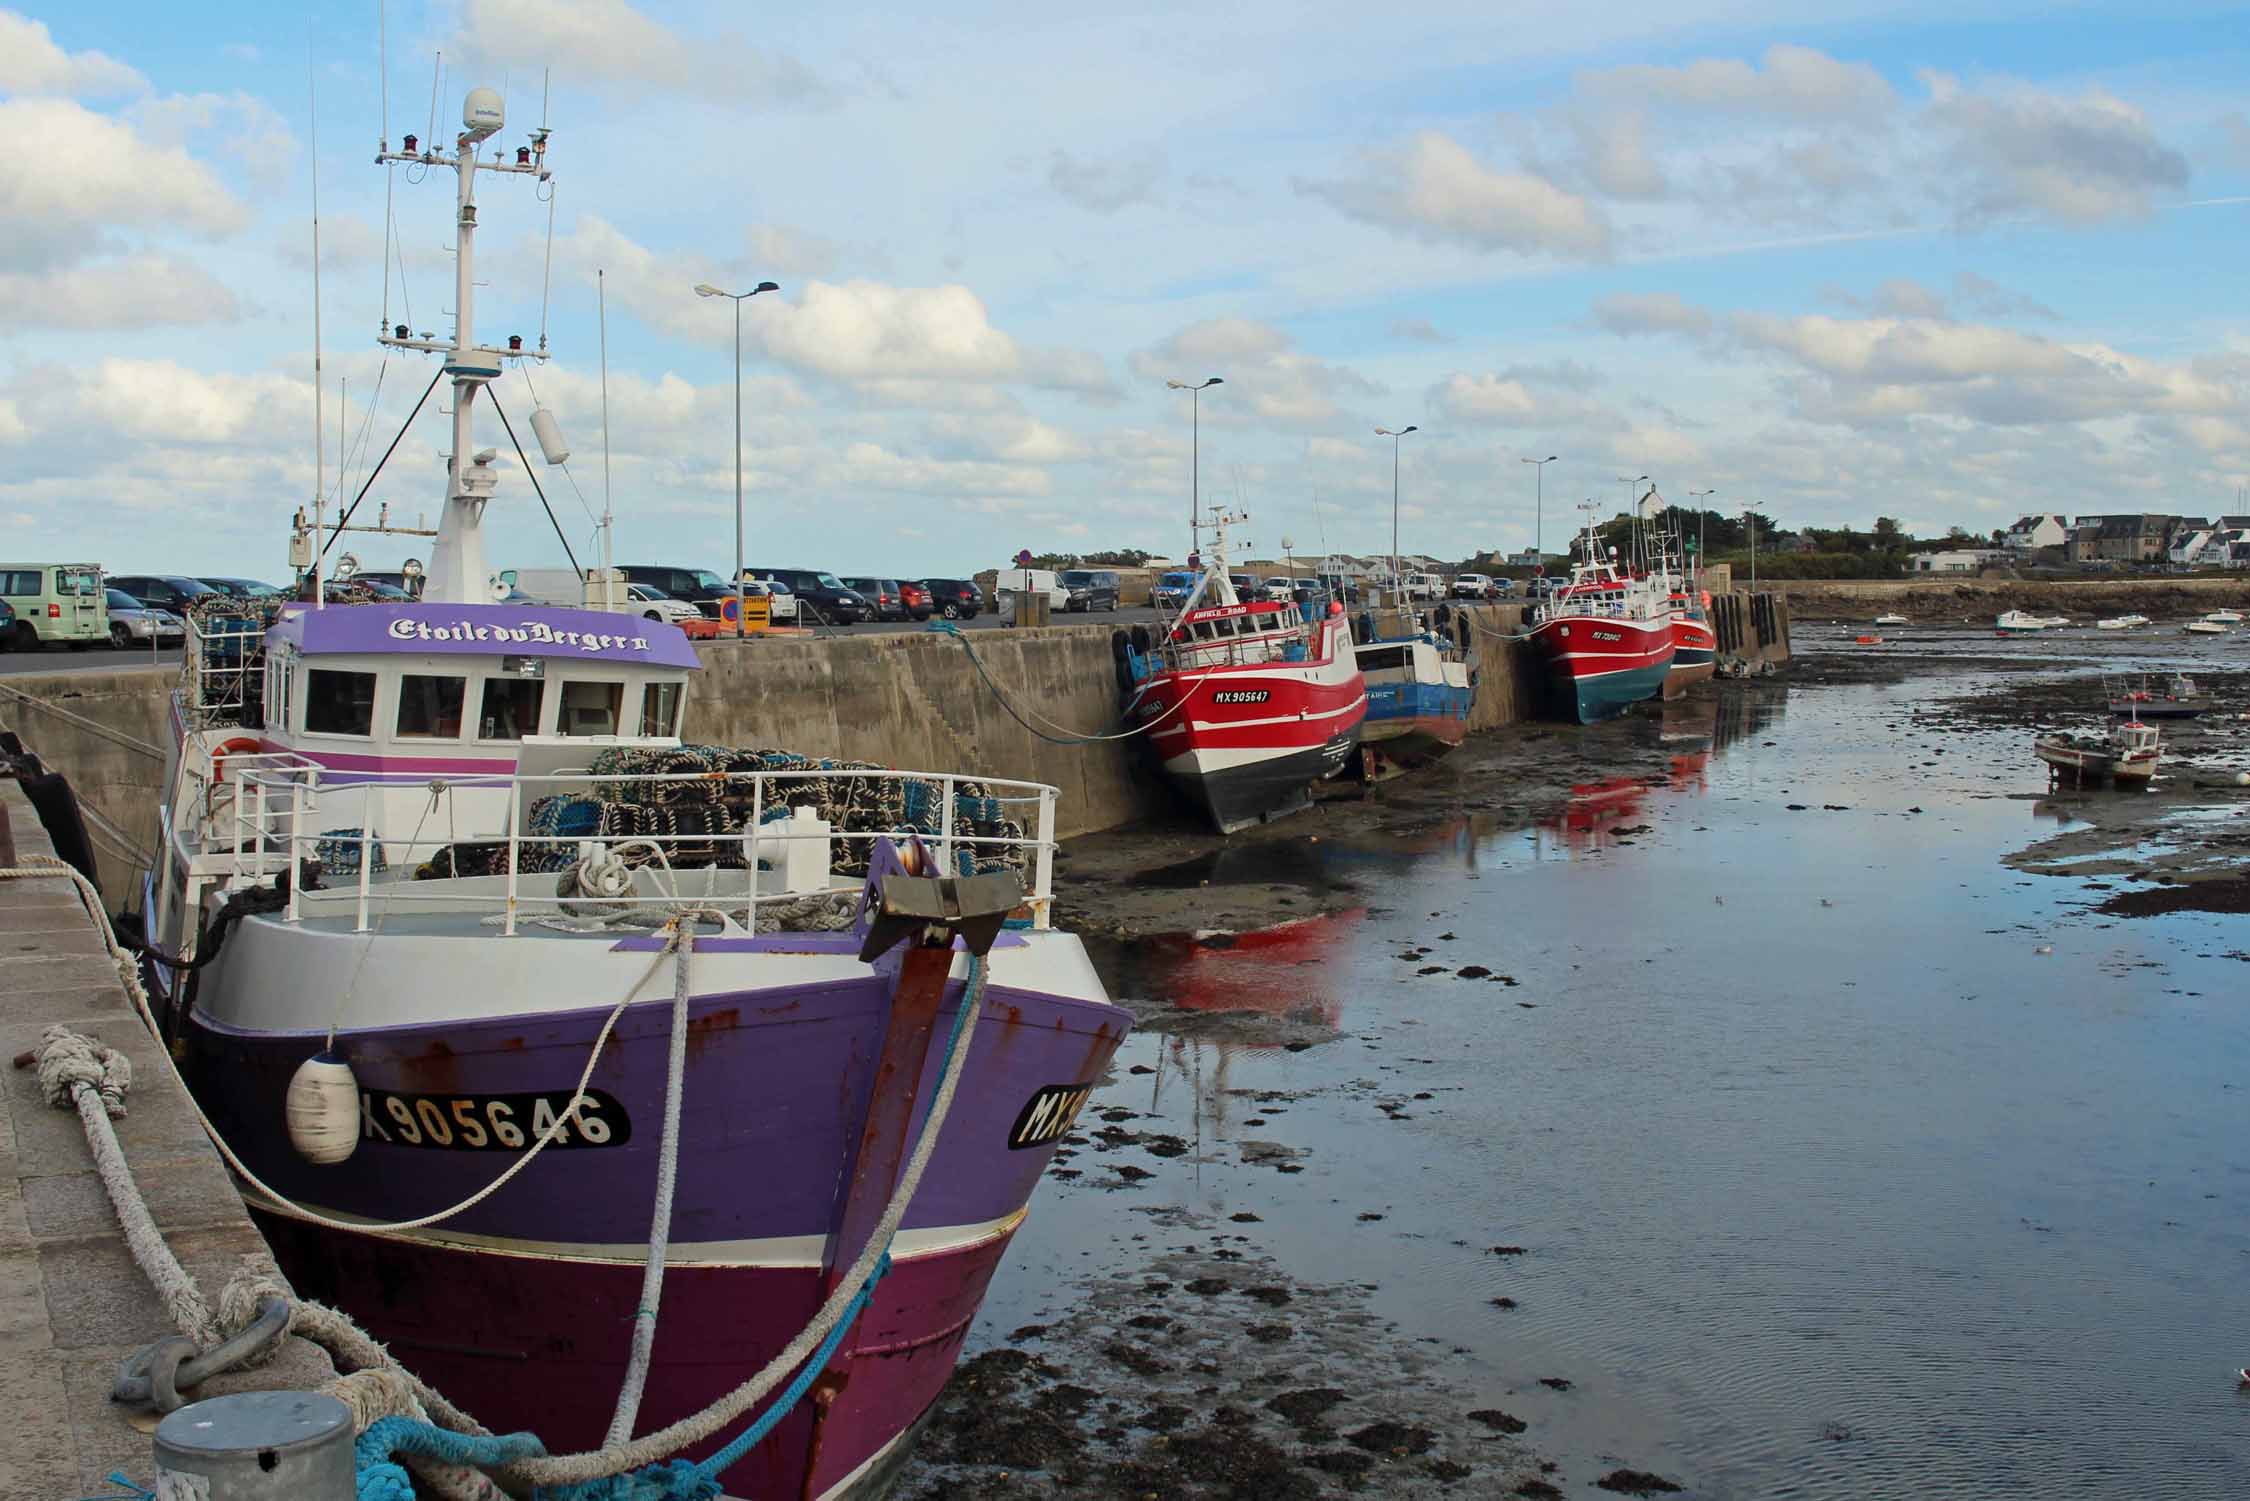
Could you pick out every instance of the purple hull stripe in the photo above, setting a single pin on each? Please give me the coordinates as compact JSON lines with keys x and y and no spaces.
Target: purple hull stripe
{"x":777,"y":1087}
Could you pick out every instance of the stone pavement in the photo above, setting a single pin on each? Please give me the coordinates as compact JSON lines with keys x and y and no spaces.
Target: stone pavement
{"x":72,"y":1303}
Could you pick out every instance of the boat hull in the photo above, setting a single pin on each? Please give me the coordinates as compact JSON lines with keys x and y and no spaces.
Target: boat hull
{"x":1598,"y":667}
{"x":1246,"y":743}
{"x":1695,"y":654}
{"x":1413,"y":723}
{"x":521,"y":1308}
{"x":1236,"y":789}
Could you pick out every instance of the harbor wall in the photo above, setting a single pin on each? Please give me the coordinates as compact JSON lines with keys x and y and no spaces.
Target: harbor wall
{"x":898,"y":698}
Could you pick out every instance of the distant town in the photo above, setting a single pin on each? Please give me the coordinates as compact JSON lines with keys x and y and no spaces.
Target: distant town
{"x":2035,"y":545}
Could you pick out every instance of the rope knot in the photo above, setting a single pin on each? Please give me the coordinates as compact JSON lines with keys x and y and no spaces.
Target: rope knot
{"x":69,"y":1059}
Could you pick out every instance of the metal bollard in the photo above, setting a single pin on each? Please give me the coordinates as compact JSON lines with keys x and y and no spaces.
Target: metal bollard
{"x":256,"y":1446}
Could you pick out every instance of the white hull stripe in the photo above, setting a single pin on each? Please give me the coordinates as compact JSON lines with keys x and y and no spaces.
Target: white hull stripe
{"x":776,"y":1252}
{"x":1250,"y":724}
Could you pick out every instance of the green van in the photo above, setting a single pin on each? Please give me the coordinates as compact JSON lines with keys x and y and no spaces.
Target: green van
{"x":55,"y":602}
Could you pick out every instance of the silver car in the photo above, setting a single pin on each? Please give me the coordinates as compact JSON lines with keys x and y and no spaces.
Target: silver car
{"x":131,"y":622}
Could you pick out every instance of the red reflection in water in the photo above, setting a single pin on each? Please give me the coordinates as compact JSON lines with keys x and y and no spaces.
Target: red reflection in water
{"x":1275,"y":970}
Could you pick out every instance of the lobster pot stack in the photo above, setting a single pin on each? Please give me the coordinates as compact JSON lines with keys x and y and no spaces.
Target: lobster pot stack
{"x":701,"y":816}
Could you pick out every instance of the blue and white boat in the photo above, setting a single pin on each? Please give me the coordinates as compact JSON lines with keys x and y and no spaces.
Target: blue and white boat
{"x":1420,"y":689}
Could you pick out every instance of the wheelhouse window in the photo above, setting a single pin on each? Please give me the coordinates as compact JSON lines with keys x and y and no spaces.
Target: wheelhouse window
{"x":590,"y":708}
{"x":660,"y":709}
{"x":339,"y":703}
{"x":510,"y":709}
{"x":429,"y":708}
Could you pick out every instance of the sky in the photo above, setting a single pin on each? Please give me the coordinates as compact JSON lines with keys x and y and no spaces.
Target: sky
{"x":1946,"y":263}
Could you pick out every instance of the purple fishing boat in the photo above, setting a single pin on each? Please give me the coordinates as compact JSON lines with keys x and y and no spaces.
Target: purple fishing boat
{"x":433,"y":875}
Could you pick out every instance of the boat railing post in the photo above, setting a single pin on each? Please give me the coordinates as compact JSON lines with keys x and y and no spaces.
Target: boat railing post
{"x":258,"y":826}
{"x":366,"y":862}
{"x":515,"y":802}
{"x":1043,"y":885}
{"x":952,"y":792}
{"x":750,"y":855}
{"x":296,"y":832}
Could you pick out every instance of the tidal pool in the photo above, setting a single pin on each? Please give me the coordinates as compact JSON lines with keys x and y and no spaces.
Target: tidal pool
{"x":1845,"y":1161}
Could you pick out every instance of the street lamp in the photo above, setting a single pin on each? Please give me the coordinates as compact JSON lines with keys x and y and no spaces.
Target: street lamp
{"x":1751,"y":518}
{"x":1538,"y":504}
{"x":1195,"y":461}
{"x":1384,"y":432}
{"x":1702,"y":495}
{"x":705,"y":289}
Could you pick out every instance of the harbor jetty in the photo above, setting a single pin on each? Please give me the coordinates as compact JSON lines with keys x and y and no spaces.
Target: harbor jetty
{"x":76,"y":1304}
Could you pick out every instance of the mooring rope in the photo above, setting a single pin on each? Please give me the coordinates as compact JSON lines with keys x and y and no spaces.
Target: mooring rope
{"x":1069,"y":736}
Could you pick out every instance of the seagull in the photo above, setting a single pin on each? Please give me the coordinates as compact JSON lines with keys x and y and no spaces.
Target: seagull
{"x":2243,"y":1376}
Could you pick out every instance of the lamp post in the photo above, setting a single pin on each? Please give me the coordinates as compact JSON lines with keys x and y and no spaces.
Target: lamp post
{"x":1751,"y":517}
{"x":1633,"y":504}
{"x":1539,"y":504}
{"x":1195,"y":460}
{"x":705,"y":289}
{"x":1699,"y":495}
{"x":1383,"y":432}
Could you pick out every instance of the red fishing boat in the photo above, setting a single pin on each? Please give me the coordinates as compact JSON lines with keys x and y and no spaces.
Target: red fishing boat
{"x":1246,"y":702}
{"x":1607,"y":635}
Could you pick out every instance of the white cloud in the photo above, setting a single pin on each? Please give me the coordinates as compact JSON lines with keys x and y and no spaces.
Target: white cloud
{"x":785,"y":251}
{"x":158,"y":401}
{"x":609,"y":41}
{"x":1649,"y":313}
{"x":2022,"y":151}
{"x":1794,"y":82}
{"x":31,"y":64}
{"x":1434,"y":189}
{"x":1419,"y":331}
{"x":139,"y":291}
{"x":1268,"y":381}
{"x":1104,"y":187}
{"x":70,"y":174}
{"x":248,"y":130}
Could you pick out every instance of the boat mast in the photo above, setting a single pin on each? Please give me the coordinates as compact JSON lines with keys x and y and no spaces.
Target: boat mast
{"x":320,"y":425}
{"x":457,"y":571}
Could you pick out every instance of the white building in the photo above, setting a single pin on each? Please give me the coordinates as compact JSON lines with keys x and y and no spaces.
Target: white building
{"x":2030,"y":533}
{"x":2191,"y":547}
{"x":1959,"y":562}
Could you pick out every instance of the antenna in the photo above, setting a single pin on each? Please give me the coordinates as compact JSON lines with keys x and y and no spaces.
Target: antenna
{"x":320,"y":423}
{"x":601,"y":305}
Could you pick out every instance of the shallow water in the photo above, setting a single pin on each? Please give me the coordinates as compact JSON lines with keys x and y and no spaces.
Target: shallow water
{"x":1831,"y":1183}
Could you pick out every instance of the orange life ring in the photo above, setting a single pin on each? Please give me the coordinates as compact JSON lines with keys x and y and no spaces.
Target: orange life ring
{"x":240,"y":745}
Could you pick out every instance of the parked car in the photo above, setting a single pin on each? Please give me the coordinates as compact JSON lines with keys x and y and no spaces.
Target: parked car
{"x":1172,"y":590}
{"x":653,"y":603}
{"x":1088,"y":589}
{"x":1341,"y":586}
{"x":163,"y":591}
{"x":1503,"y":588}
{"x":408,"y":584}
{"x":243,"y":588}
{"x":700,"y":587}
{"x":1471,"y":586}
{"x":916,"y":597}
{"x":1281,"y":587}
{"x":780,"y":603}
{"x":881,"y":595}
{"x":1424,"y":586}
{"x":823,"y":597}
{"x":55,"y":602}
{"x":955,"y":599}
{"x":131,"y":621}
{"x":360,"y":590}
{"x":7,"y":624}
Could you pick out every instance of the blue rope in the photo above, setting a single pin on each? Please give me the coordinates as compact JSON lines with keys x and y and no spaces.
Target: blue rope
{"x":127,"y":1492}
{"x":383,"y":1479}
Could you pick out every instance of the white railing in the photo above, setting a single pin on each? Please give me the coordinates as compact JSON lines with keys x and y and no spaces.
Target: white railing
{"x":288,"y":810}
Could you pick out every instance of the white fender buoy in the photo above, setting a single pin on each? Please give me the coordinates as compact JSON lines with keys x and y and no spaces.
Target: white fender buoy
{"x":323,"y":1109}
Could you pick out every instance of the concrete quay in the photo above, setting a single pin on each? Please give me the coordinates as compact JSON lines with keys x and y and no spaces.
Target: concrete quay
{"x":72,"y":1302}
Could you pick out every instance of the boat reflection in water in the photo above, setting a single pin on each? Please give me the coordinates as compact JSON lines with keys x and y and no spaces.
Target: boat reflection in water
{"x":1289,"y":970}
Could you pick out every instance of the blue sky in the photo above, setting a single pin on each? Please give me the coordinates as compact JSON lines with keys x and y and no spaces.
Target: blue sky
{"x":1945,"y":263}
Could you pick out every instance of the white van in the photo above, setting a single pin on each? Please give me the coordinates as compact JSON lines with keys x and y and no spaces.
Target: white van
{"x":1012,"y":579}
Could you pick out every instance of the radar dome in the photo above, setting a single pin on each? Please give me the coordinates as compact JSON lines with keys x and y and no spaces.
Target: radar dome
{"x":483,"y":113}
